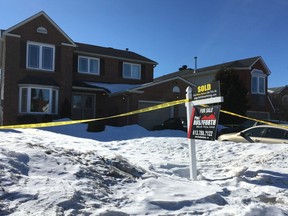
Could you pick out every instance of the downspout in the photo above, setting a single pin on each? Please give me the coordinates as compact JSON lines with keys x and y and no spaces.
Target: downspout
{"x":272,"y":105}
{"x":2,"y":70}
{"x":127,"y":107}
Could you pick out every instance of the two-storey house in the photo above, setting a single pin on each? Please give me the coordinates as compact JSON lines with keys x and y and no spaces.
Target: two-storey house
{"x":46,"y":75}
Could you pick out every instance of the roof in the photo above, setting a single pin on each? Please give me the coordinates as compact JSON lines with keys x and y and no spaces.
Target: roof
{"x":38,"y":80}
{"x":277,"y":90}
{"x":41,"y":13}
{"x":114,"y":89}
{"x":105,"y":87}
{"x":237,"y":64}
{"x":85,"y":48}
{"x":111,"y":52}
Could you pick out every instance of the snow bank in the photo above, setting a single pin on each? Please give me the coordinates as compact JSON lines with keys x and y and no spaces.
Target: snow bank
{"x":68,"y":171}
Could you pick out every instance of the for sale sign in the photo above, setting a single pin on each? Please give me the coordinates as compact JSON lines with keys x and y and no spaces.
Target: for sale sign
{"x":203,"y":122}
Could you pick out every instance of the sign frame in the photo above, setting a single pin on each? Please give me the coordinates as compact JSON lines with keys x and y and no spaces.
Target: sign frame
{"x":191,"y":142}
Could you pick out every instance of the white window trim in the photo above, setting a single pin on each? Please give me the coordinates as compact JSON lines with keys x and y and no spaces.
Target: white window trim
{"x":131,"y":77}
{"x":29,"y":87}
{"x":40,"y":57}
{"x":258,"y":74}
{"x":88,"y":72}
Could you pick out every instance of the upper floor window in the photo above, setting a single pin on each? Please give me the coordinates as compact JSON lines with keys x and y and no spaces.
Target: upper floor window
{"x":132,"y":71}
{"x":40,"y":56}
{"x":285,"y":100}
{"x":35,"y":99}
{"x":258,"y":84}
{"x":88,"y":65}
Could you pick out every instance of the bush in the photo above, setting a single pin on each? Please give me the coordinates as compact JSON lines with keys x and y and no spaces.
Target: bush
{"x":95,"y":126}
{"x":27,"y":119}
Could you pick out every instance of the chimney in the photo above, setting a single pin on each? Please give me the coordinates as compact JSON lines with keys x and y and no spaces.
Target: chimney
{"x":195,"y":61}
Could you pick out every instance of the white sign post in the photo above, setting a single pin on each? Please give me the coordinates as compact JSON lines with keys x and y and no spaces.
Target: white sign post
{"x":191,"y":142}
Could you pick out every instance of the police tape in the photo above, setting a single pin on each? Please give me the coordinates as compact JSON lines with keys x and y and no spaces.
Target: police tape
{"x":143,"y":110}
{"x":253,"y":119}
{"x":62,"y":123}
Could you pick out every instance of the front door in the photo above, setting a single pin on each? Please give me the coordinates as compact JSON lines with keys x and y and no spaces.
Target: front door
{"x":83,"y":106}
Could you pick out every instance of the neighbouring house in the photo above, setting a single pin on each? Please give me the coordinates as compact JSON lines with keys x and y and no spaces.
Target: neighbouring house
{"x":279,"y":98}
{"x":45,"y":75}
{"x":253,"y":72}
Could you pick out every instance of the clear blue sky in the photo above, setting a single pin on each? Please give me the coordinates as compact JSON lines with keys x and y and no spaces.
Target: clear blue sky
{"x":172,"y":32}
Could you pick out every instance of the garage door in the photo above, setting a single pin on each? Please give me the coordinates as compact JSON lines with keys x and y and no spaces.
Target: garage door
{"x":149,"y":119}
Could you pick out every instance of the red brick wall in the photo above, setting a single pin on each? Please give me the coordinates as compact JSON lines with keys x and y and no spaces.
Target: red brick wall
{"x":15,"y":64}
{"x":111,"y":72}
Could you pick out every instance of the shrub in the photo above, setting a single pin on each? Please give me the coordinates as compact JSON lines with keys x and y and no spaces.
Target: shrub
{"x":95,"y":126}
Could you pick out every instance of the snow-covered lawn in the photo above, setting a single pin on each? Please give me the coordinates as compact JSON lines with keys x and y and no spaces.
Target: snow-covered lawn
{"x":130,"y":171}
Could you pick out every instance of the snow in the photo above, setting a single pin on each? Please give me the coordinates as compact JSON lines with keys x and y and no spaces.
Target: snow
{"x":114,"y":88}
{"x":131,"y":171}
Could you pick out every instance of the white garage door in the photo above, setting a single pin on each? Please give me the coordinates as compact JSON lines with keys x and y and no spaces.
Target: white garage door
{"x":149,"y":119}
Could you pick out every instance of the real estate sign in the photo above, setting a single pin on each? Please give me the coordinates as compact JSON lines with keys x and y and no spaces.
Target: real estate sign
{"x":203,"y":122}
{"x":203,"y":119}
{"x":209,"y":90}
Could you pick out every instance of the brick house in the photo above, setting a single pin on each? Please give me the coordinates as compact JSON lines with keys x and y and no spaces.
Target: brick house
{"x":279,"y":98}
{"x":45,"y":73}
{"x":253,"y":72}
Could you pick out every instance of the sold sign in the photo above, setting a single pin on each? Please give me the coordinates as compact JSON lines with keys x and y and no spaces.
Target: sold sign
{"x":209,"y":90}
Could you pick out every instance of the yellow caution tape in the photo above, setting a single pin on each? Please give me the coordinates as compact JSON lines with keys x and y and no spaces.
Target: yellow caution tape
{"x":253,"y":119}
{"x":62,"y":123}
{"x":152,"y":108}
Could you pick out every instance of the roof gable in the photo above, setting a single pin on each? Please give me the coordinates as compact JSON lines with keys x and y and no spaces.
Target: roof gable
{"x":241,"y":64}
{"x":41,"y":13}
{"x":160,"y":81}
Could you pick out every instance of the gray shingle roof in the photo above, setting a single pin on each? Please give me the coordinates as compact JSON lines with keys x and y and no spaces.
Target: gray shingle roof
{"x":277,"y":90}
{"x":238,"y":64}
{"x":108,"y":51}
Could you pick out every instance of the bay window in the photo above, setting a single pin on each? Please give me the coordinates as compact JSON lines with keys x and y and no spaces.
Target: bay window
{"x":40,"y":56}
{"x":258,"y":82}
{"x":38,"y":100}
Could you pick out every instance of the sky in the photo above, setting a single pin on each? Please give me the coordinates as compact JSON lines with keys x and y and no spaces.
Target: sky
{"x":172,"y":32}
{"x":68,"y":171}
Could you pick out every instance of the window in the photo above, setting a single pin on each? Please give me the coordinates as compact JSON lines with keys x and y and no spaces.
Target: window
{"x":40,"y":56}
{"x":131,"y":71}
{"x":38,"y":100}
{"x":275,"y":133}
{"x":254,"y":132}
{"x":285,"y":100}
{"x":258,"y":85}
{"x":176,"y":89}
{"x":88,"y":65}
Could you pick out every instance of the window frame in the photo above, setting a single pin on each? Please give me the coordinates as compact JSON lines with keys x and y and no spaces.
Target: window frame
{"x":89,"y":65}
{"x":53,"y":98}
{"x":285,"y":100}
{"x":258,"y":82}
{"x":138,"y":77}
{"x":41,"y":46}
